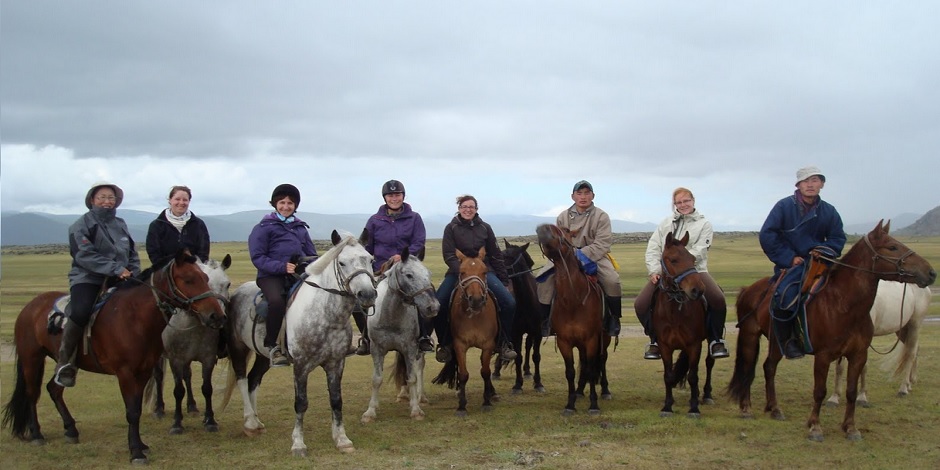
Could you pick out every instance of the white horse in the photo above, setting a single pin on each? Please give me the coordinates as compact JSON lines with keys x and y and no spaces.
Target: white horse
{"x":888,"y":316}
{"x":318,"y":334}
{"x":404,"y":292}
{"x":185,"y":340}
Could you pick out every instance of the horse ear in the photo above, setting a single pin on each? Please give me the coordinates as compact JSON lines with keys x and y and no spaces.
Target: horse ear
{"x":460,"y":255}
{"x":404,"y":254}
{"x":669,"y":238}
{"x":887,"y":226}
{"x":184,"y":256}
{"x":420,"y":254}
{"x":685,"y":239}
{"x":482,"y":253}
{"x":335,"y":238}
{"x":525,"y":247}
{"x":506,"y":242}
{"x":364,"y":236}
{"x":226,"y":262}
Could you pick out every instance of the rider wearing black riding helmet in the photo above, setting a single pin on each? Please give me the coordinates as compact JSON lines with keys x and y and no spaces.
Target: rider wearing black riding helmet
{"x":274,"y":245}
{"x":394,"y":226}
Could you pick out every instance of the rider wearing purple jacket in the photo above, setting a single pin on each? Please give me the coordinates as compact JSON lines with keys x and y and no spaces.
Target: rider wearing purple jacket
{"x":393,"y":227}
{"x":276,"y":244}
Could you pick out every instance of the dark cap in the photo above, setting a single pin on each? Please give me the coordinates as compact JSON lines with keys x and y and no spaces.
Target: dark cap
{"x":393,"y":186}
{"x":581,"y":185}
{"x":285,"y":190}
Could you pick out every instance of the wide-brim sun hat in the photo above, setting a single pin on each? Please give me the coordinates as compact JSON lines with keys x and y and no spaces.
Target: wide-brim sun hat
{"x":118,"y":193}
{"x":807,"y":172}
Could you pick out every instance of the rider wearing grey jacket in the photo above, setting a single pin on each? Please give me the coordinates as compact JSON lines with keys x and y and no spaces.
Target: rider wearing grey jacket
{"x":102,"y":252}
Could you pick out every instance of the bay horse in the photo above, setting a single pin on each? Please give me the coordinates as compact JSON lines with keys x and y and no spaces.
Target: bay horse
{"x":317,"y":330}
{"x":125,"y":342}
{"x":900,"y":309}
{"x":186,"y":340}
{"x":577,"y":317}
{"x":519,"y":265}
{"x":404,"y":292}
{"x":679,"y":322}
{"x":839,"y":324}
{"x":473,"y":323}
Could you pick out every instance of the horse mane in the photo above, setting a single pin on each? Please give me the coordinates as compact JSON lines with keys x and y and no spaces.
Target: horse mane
{"x":318,"y":266}
{"x":146,"y":274}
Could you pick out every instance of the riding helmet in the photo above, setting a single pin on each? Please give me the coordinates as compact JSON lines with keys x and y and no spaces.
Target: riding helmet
{"x":393,"y":186}
{"x":287,"y":190}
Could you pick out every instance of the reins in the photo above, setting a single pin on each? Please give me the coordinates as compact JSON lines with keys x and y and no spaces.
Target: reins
{"x":897,"y":339}
{"x":344,"y":282}
{"x":897,"y":261}
{"x":176,"y":299}
{"x":410,"y":298}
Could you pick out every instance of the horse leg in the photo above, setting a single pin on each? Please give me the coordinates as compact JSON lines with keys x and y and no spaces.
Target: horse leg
{"x":159,"y":408}
{"x":530,"y":345}
{"x":536,"y":363}
{"x":55,"y":392}
{"x":567,"y":354}
{"x":191,"y":406}
{"x":179,"y":391}
{"x":517,"y":365}
{"x":707,"y":397}
{"x":605,"y":390}
{"x":462,"y":377}
{"x":770,"y":387}
{"x":489,"y":391}
{"x":298,"y":448}
{"x":856,"y":367}
{"x":208,"y":420}
{"x":249,"y":389}
{"x":745,"y":362}
{"x":590,"y":369}
{"x":132,"y":390}
{"x":820,"y":376}
{"x":669,"y":379}
{"x":378,"y":363}
{"x":862,"y":398}
{"x":695,"y":355}
{"x":20,"y":412}
{"x":334,"y":383}
{"x":414,"y":382}
{"x":907,"y":364}
{"x":834,"y":398}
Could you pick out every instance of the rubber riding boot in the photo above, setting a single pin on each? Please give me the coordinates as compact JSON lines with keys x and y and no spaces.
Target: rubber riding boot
{"x":424,"y":340}
{"x":360,"y":318}
{"x":363,"y":349}
{"x":652,"y":352}
{"x":278,"y":359}
{"x":791,"y":347}
{"x":715,"y":325}
{"x":444,"y":353}
{"x":717,"y":349}
{"x":545,"y":312}
{"x":613,"y":321}
{"x":506,"y":352}
{"x":66,"y":370}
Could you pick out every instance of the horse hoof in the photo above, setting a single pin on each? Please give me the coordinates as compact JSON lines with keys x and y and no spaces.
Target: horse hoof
{"x":815,"y":436}
{"x":487,"y":408}
{"x":831,"y":404}
{"x":367,"y":419}
{"x":778,"y":415}
{"x":853,"y":436}
{"x":607,"y":396}
{"x":343,"y":449}
{"x":568,"y":412}
{"x":495,"y":397}
{"x":694,"y":415}
{"x":193,"y":412}
{"x":527,"y":375}
{"x":140,"y":461}
{"x":71,"y":439}
{"x":252,"y":432}
{"x":594,"y":412}
{"x":540,"y":389}
{"x":174,"y":431}
{"x":418,"y":416}
{"x":461,"y":413}
{"x":902,"y":394}
{"x":158,"y":414}
{"x":517,"y":391}
{"x":863,"y":403}
{"x":38,"y":442}
{"x":665,"y":414}
{"x":212,"y":428}
{"x":747,"y":416}
{"x":299,"y":452}
{"x":708,"y":401}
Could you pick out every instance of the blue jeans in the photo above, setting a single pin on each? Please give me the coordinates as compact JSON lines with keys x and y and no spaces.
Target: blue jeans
{"x":504,"y":300}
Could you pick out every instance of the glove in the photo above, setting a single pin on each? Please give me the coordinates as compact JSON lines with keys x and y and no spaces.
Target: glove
{"x":587,"y":265}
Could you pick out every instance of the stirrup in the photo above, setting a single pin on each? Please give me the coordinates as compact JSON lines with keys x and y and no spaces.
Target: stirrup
{"x":65,"y":376}
{"x":363,"y":349}
{"x":506,"y":352}
{"x":443,"y":354}
{"x":717,"y":349}
{"x":278,"y":359}
{"x":425,"y":344}
{"x":652,"y":352}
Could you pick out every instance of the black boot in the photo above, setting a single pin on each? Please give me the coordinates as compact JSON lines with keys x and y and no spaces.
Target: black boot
{"x":545,"y":312}
{"x":789,"y":344}
{"x":613,"y":320}
{"x":716,"y":328}
{"x":360,"y":317}
{"x":424,"y":337}
{"x":652,"y":349}
{"x":66,"y":369}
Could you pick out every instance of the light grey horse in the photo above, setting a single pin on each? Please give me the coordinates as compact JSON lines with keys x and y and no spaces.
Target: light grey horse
{"x":185,"y":340}
{"x":318,"y":334}
{"x":900,"y":309}
{"x":404,"y":292}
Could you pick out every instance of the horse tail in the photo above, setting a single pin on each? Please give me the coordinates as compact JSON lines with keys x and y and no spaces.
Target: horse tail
{"x":680,"y":369}
{"x":17,"y":410}
{"x":448,"y":374}
{"x":400,"y":370}
{"x":748,"y":348}
{"x":900,"y":363}
{"x":229,"y":386}
{"x":150,"y":390}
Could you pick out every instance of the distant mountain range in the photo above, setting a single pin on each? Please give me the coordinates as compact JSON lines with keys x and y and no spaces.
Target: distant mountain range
{"x":35,"y":228}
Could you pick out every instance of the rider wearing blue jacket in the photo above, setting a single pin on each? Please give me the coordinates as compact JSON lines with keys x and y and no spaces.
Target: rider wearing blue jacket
{"x":796,"y":225}
{"x":393,"y":227}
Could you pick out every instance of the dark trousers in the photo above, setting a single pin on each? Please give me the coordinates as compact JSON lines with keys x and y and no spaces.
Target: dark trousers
{"x":273,"y":289}
{"x":82,"y":302}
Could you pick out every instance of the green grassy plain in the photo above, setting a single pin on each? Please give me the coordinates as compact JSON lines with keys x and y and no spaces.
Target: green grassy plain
{"x":523,"y":430}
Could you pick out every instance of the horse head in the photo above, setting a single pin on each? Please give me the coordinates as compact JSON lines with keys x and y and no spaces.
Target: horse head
{"x":188,"y":289}
{"x":353,"y":266}
{"x":412,"y":280}
{"x":472,"y":280}
{"x":219,"y":281}
{"x":894,"y":261}
{"x":555,"y":243}
{"x":679,"y":268}
{"x":517,"y":258}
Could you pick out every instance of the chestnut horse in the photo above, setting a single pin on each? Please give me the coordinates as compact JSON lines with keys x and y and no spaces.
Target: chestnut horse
{"x":838,"y":320}
{"x":577,"y":314}
{"x":679,"y":322}
{"x":125,"y":341}
{"x":472,"y":324}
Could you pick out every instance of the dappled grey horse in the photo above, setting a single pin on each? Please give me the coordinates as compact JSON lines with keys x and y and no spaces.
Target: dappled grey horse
{"x":404,"y":292}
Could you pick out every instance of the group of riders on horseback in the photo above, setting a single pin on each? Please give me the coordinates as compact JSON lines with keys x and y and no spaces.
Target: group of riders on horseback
{"x":103,"y":253}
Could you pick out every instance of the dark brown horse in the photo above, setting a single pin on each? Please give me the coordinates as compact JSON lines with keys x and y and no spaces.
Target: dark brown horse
{"x":577,"y":313}
{"x":838,"y":320}
{"x":472,"y":324}
{"x":527,"y":322}
{"x":125,"y":341}
{"x":679,"y":323}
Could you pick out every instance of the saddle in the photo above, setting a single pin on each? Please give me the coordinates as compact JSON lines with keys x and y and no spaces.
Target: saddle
{"x":62,"y":309}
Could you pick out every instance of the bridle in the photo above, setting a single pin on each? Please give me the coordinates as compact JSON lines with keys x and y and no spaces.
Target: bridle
{"x":169,"y":302}
{"x":898,"y":261}
{"x":464,"y":283}
{"x":343,"y":281}
{"x":406,"y":297}
{"x":673,"y":289}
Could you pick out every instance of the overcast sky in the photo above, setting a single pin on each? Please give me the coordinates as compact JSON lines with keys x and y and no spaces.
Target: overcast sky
{"x":511,"y":101}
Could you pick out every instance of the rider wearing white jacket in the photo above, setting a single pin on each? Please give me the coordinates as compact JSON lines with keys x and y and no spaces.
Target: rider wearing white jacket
{"x":684,"y":219}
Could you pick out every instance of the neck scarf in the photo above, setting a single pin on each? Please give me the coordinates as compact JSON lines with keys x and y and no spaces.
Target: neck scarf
{"x":178,"y":222}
